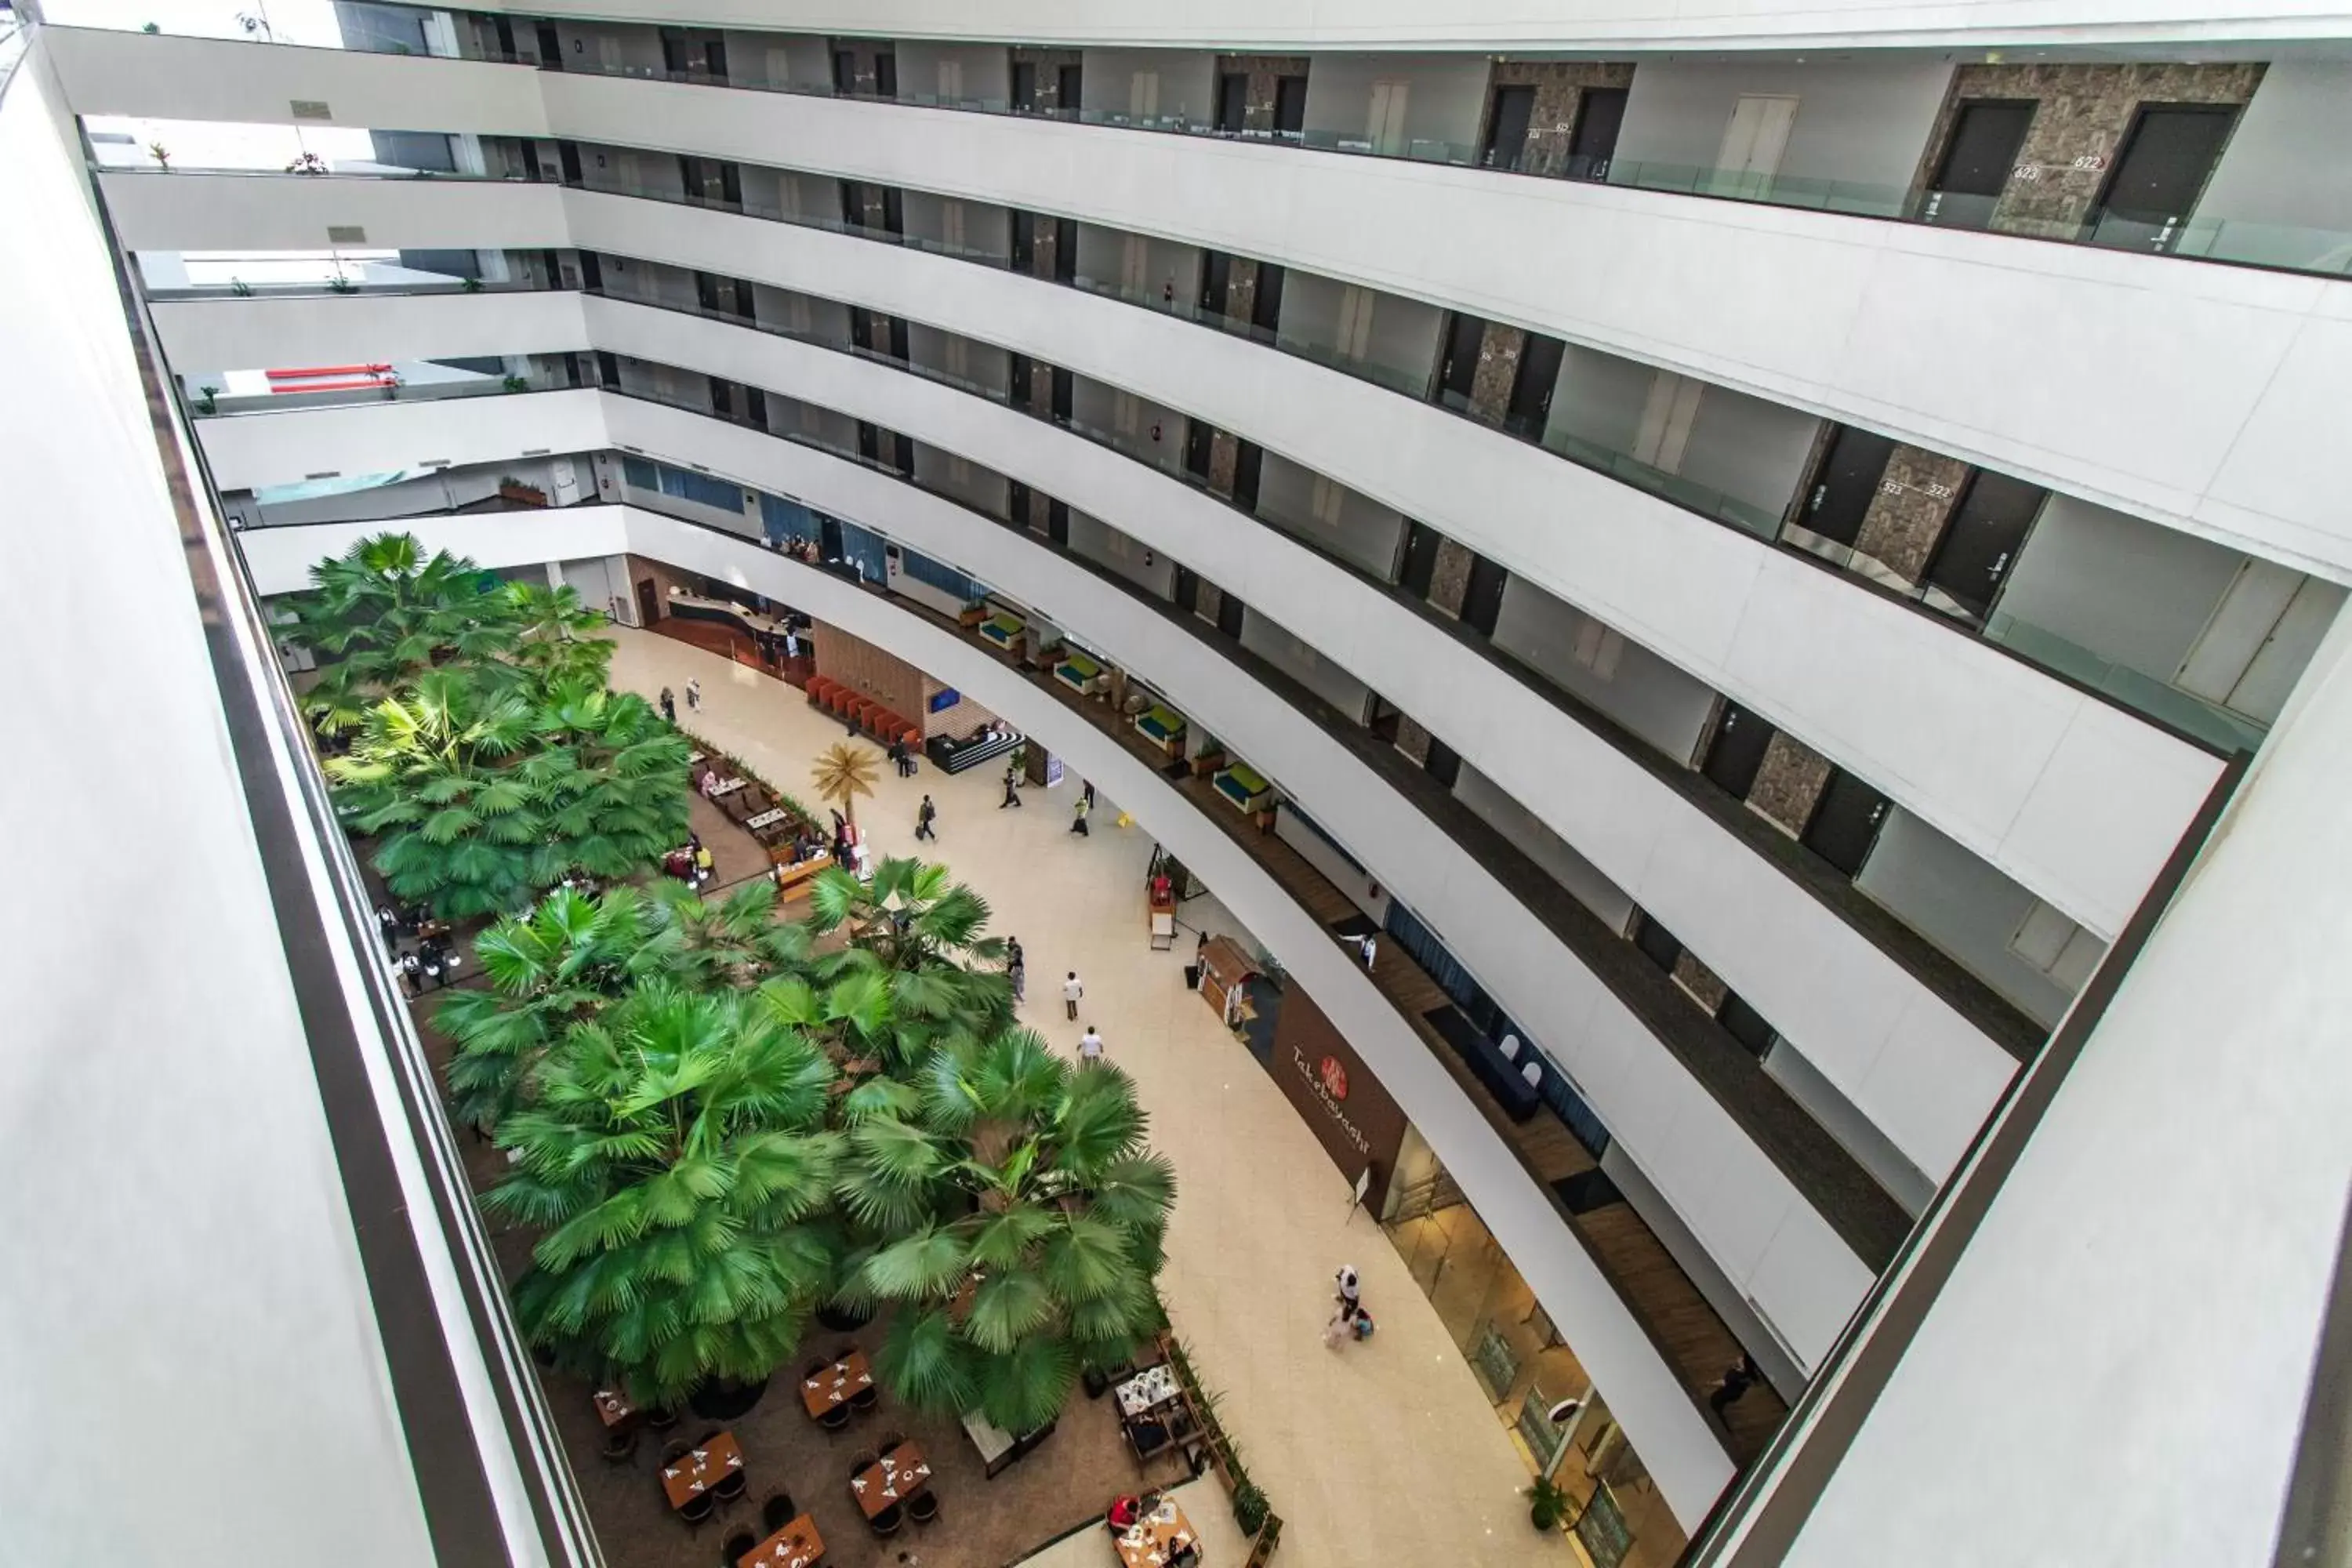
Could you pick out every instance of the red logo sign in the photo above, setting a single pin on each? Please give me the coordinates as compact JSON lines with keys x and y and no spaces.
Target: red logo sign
{"x":1334,"y":1078}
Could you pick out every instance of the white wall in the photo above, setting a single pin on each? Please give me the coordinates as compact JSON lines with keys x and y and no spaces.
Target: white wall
{"x":280,"y":559}
{"x":2272,"y":200}
{"x":1279,"y":648}
{"x":185,"y":1291}
{"x":1188,"y":79}
{"x":1863,"y":120}
{"x":1629,"y":683}
{"x":1904,"y":1181}
{"x":1130,"y":558}
{"x":2102,"y":1220}
{"x":1402,"y":344}
{"x":2136,"y":594}
{"x":1534,"y":839}
{"x":2187,"y":393}
{"x":1900,"y":1052}
{"x":1445,"y":96}
{"x":1733,"y":614}
{"x":986,"y":69}
{"x":1362,"y":889}
{"x":1748,"y":449}
{"x":1963,"y":906}
{"x":1364,"y":532}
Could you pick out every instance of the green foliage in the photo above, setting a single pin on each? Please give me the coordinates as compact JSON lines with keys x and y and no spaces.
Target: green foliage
{"x":676,"y":1157}
{"x":485,"y":749}
{"x":1023,"y":1220}
{"x":1250,"y":1508}
{"x":1548,"y":1506}
{"x":481,"y":797}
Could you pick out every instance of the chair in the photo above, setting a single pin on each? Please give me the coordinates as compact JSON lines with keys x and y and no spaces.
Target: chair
{"x":866,"y":1460}
{"x":698,"y":1510}
{"x":844,"y":1353}
{"x":1147,"y":1438}
{"x":887,"y":1521}
{"x":621,"y":1445}
{"x":732,"y":1486}
{"x":778,"y":1512}
{"x":661,"y":1420}
{"x":866,"y":1401}
{"x":889,"y":1445}
{"x":739,"y":1545}
{"x":672,"y":1453}
{"x":835,"y":1420}
{"x":923,"y":1507}
{"x":814,"y":1367}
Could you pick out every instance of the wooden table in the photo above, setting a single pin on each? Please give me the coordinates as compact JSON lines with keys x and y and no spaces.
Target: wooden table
{"x":701,"y":1470}
{"x":795,"y":1546}
{"x":1153,"y":1540}
{"x":1147,"y":1390}
{"x":719,"y":792}
{"x":768,"y":818}
{"x":897,"y":1476}
{"x":836,"y":1384}
{"x":614,"y":1407}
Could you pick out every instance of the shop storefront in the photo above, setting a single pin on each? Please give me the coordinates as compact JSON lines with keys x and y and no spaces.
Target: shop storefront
{"x":1540,"y":1391}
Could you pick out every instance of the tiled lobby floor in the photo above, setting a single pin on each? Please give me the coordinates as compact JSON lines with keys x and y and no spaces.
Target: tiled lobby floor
{"x":1383,"y":1452}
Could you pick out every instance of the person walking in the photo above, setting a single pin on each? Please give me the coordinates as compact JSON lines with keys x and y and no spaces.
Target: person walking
{"x":669,"y":706}
{"x":1017,"y":973}
{"x":410,"y":968}
{"x":1090,"y":1045}
{"x":702,"y":863}
{"x":1011,"y":790}
{"x":925,"y":814}
{"x":1350,"y":1289}
{"x":1738,"y":1380}
{"x":1079,"y":816}
{"x":1072,"y":989}
{"x":694,"y":696}
{"x":1086,"y":793}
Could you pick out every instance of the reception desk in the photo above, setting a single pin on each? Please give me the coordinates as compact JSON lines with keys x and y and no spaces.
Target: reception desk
{"x":953,"y":756}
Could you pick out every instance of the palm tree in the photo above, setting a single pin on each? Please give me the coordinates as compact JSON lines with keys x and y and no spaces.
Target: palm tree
{"x":556,"y":635}
{"x":736,"y":942}
{"x":381,"y":614}
{"x":483,"y":798}
{"x":845,"y":771}
{"x":558,"y":966}
{"x":915,"y":936}
{"x":675,"y":1152}
{"x":1028,"y":1218}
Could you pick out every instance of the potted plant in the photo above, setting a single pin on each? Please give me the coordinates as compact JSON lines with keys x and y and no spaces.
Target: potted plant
{"x":240,"y":288}
{"x":516,"y":383}
{"x":307,"y":164}
{"x":342,"y":285}
{"x":470,"y":284}
{"x":157,"y":150}
{"x":1548,"y":1506}
{"x":1249,"y":1508}
{"x":208,"y":400}
{"x":514,"y":490}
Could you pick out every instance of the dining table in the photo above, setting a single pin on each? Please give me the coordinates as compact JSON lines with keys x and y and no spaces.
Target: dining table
{"x":701,"y":1468}
{"x":836,"y":1384}
{"x":894,"y":1477}
{"x":797,"y":1545}
{"x":614,"y":1407}
{"x":768,"y":818}
{"x":730,"y":787}
{"x":1147,"y":1390}
{"x":1154,"y":1540}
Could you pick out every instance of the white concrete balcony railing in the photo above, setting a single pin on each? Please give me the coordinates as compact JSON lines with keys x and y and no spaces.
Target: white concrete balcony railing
{"x":2185,"y":393}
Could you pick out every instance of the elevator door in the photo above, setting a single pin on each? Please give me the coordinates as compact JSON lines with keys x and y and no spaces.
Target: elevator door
{"x":1846,"y":822}
{"x":1506,"y":127}
{"x":1986,"y":136}
{"x":1977,"y":549}
{"x":1849,"y":477}
{"x":1458,"y":371}
{"x":2158,"y":175}
{"x":1598,"y":117}
{"x":1420,"y":559}
{"x":1738,"y":751}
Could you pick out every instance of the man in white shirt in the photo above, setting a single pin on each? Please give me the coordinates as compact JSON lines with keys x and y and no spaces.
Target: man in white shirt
{"x":1090,"y":1045}
{"x":1072,"y":989}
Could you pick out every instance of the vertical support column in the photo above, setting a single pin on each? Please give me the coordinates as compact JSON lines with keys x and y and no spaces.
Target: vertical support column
{"x":1560,"y":93}
{"x":1225,"y":457}
{"x":1411,"y":739}
{"x":1498,"y":371}
{"x":1788,"y":784}
{"x":1905,"y":519}
{"x":1449,"y":579}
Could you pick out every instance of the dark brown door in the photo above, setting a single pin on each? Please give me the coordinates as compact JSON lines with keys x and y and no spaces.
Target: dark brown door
{"x":1216,"y":281}
{"x":1980,"y":544}
{"x":1655,"y":942}
{"x":567,"y":157}
{"x":1233,"y":100}
{"x":1444,"y":764}
{"x":1600,"y":115}
{"x":1064,"y":395}
{"x":1846,"y":822}
{"x":1508,"y":116}
{"x":648,"y":602}
{"x":1249,"y":463}
{"x":1986,"y":136}
{"x":1186,"y":590}
{"x":1746,"y":1025}
{"x":886,"y":76}
{"x":1198,"y":437}
{"x":1058,"y":523}
{"x":1481,"y":600}
{"x":1021,"y":377}
{"x":1069,"y":87}
{"x":1265,"y":305}
{"x":1457,"y":370}
{"x":1737,"y":750}
{"x":1230,"y":610}
{"x":845,"y":72}
{"x":1420,"y":566}
{"x":1843,"y":485}
{"x":1065,"y":250}
{"x":1531,"y":387}
{"x":551,"y":49}
{"x":2166,"y":159}
{"x":1289,"y":105}
{"x":1025,"y":87}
